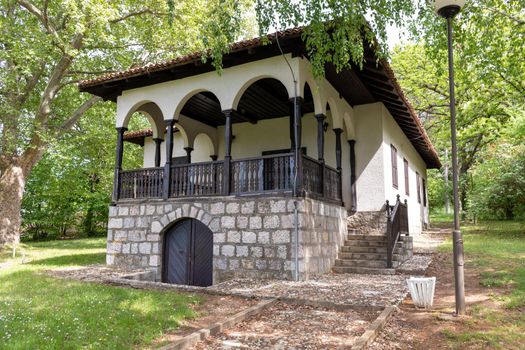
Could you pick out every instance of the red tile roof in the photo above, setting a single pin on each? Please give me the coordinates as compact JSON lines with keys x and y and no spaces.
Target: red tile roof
{"x":195,"y":56}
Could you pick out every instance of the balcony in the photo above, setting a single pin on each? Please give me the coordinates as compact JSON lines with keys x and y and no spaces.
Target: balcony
{"x":266,"y":175}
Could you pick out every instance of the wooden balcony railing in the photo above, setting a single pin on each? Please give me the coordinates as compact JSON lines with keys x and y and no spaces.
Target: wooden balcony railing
{"x":198,"y":179}
{"x":260,"y":175}
{"x":397,"y":224}
{"x":321,"y":180}
{"x":272,"y":173}
{"x":142,"y":183}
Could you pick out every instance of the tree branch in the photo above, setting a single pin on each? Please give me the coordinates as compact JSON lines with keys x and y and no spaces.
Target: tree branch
{"x":42,"y":17}
{"x":137,"y":13}
{"x":68,"y":124}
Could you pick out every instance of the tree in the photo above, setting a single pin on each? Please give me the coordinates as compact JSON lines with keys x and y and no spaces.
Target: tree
{"x":45,"y":48}
{"x":69,"y":189}
{"x":48,"y":46}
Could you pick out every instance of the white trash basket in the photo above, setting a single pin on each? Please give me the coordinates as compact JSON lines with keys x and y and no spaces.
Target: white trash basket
{"x":422,"y":291}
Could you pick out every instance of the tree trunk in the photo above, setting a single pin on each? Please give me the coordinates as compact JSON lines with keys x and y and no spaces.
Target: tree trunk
{"x":12,"y":183}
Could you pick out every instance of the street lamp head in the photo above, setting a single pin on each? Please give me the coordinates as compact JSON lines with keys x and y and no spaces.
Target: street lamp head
{"x":448,"y":8}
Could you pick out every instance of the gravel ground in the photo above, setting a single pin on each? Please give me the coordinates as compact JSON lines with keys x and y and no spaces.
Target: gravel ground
{"x":415,"y":266}
{"x":93,"y":272}
{"x":365,"y":290}
{"x":293,"y":327}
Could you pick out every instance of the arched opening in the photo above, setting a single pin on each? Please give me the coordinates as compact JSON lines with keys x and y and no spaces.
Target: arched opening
{"x":264,"y":102}
{"x":203,"y":148}
{"x":143,"y":122}
{"x":330,"y":156}
{"x":188,"y":254}
{"x":203,"y":107}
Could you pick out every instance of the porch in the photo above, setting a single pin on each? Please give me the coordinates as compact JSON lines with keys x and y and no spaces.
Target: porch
{"x":272,"y":175}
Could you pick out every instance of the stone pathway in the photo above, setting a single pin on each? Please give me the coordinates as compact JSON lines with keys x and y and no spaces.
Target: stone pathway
{"x":343,"y":289}
{"x":285,"y":326}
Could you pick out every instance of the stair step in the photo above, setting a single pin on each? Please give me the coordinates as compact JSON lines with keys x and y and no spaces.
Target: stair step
{"x":367,"y":256}
{"x":366,"y":249}
{"x":363,"y":243}
{"x":361,"y":263}
{"x":366,"y":238}
{"x":363,"y":270}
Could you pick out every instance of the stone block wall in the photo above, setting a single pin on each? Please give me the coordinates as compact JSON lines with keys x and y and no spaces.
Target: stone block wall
{"x":252,"y":237}
{"x":368,"y":222}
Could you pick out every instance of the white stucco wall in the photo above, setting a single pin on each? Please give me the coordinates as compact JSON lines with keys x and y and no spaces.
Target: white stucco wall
{"x":393,"y":135}
{"x":376,"y":131}
{"x":370,"y":162}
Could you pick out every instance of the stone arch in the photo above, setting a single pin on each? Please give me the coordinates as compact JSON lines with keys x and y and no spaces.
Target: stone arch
{"x":151,"y":111}
{"x":253,"y":80}
{"x":162,"y":224}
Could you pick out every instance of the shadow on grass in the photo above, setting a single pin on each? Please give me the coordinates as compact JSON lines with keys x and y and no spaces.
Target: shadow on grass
{"x":74,"y":259}
{"x":89,"y":243}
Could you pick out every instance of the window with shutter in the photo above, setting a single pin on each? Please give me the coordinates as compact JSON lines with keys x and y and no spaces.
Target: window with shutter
{"x":407,"y":183}
{"x":394,"y":165}
{"x":418,"y":186}
{"x":424,"y":193}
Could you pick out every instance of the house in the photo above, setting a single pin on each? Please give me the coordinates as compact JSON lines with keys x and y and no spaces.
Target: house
{"x":261,"y":170}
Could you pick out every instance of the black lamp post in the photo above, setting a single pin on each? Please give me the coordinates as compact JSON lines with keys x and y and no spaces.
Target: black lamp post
{"x":448,"y":9}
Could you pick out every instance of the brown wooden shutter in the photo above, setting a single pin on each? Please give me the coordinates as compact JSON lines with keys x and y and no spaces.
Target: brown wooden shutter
{"x":418,"y":186}
{"x":407,"y":183}
{"x":394,"y":165}
{"x":424,"y":193}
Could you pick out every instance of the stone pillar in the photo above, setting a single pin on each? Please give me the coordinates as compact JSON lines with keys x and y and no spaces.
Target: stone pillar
{"x":117,"y":181}
{"x":169,"y":156}
{"x":158,"y":142}
{"x":188,"y":154}
{"x":228,"y":150}
{"x":353,"y":190}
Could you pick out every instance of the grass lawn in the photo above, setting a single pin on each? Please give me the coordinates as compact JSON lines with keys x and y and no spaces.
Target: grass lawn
{"x":41,"y":312}
{"x":496,"y":252}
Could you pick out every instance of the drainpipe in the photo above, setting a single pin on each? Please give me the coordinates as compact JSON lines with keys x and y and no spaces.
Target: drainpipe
{"x":296,"y":162}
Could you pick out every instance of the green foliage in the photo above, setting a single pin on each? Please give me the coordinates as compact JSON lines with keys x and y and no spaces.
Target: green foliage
{"x":336,"y":29}
{"x":496,"y":249}
{"x":40,"y":312}
{"x":490,"y":90}
{"x":498,"y":188}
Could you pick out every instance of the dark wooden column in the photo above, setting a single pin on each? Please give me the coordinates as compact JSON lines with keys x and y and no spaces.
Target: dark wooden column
{"x":296,"y":103}
{"x":292,"y":128}
{"x":338,"y":133}
{"x":188,"y":154}
{"x":158,"y":142}
{"x":228,"y":150}
{"x":320,"y":136}
{"x":117,"y":181}
{"x":353,"y":190}
{"x":169,"y":156}
{"x":320,"y":147}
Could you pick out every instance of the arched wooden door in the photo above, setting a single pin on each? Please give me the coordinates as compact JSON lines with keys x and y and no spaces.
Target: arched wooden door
{"x":188,"y":254}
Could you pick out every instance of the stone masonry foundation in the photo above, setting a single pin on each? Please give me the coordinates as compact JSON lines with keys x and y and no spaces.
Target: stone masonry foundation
{"x":252,"y":237}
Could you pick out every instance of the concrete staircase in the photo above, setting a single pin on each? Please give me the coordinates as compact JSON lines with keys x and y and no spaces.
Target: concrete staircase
{"x":366,"y":254}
